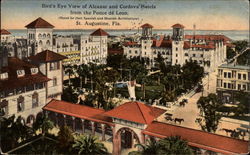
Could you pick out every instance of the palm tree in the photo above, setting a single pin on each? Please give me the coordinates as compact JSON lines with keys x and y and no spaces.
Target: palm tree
{"x":83,"y":71}
{"x":151,"y":148}
{"x":65,"y":139}
{"x":43,"y":124}
{"x":69,"y":70}
{"x":89,"y":145}
{"x":174,"y":145}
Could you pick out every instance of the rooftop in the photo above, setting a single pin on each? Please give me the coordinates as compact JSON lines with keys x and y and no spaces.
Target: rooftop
{"x":146,"y":26}
{"x":232,"y":66}
{"x":4,"y":32}
{"x":198,"y":138}
{"x":13,"y":81}
{"x":77,"y":110}
{"x":99,"y":32}
{"x":39,"y":23}
{"x":138,"y":112}
{"x":47,"y":56}
{"x":178,"y":26}
{"x":212,"y":37}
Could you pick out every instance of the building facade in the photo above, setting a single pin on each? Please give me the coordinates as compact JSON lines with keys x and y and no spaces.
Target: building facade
{"x":230,"y":79}
{"x":94,"y":48}
{"x":207,"y":50}
{"x":40,"y":33}
{"x":27,"y":85}
{"x":141,"y":125}
{"x":66,"y":46}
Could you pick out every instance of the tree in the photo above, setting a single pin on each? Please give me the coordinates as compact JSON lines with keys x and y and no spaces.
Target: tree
{"x":168,"y":146}
{"x":69,"y":70}
{"x":89,"y":145}
{"x":149,"y":149}
{"x":83,"y":71}
{"x":230,"y":53}
{"x":65,"y":139}
{"x":13,"y":131}
{"x":243,"y":99}
{"x":43,"y":124}
{"x":210,"y":116}
{"x":192,"y":74}
{"x":240,"y":45}
{"x":174,"y":145}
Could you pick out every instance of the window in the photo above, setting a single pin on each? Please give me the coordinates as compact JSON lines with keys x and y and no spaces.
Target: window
{"x":40,"y":42}
{"x":20,"y":73}
{"x":35,"y":100}
{"x":44,"y":35}
{"x":39,"y":35}
{"x":244,"y":76}
{"x":225,"y":74}
{"x":54,"y":65}
{"x":4,"y":108}
{"x":176,"y":55}
{"x":193,"y":55}
{"x":145,"y":47}
{"x":201,"y":55}
{"x":54,"y":81}
{"x":47,"y":42}
{"x":48,"y":35}
{"x":186,"y":54}
{"x":135,"y":52}
{"x":34,"y":70}
{"x":229,"y":85}
{"x":244,"y":87}
{"x":129,"y":51}
{"x":239,"y":76}
{"x":239,"y":87}
{"x":176,"y":61}
{"x":176,"y":49}
{"x":225,"y":85}
{"x":229,"y":75}
{"x":20,"y":104}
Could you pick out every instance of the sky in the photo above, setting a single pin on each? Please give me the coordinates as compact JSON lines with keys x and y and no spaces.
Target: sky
{"x":205,"y":14}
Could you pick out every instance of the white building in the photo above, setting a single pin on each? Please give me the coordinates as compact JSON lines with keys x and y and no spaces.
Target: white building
{"x":230,"y":79}
{"x":208,"y":50}
{"x":26,"y":86}
{"x":94,"y":48}
{"x":66,"y":46}
{"x":40,"y":32}
{"x":5,"y":36}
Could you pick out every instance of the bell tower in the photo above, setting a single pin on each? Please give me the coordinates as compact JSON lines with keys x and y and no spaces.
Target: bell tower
{"x":177,"y":44}
{"x":146,"y":42}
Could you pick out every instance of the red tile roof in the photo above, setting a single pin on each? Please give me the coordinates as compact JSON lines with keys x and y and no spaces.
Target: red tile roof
{"x":131,"y":43}
{"x":178,"y":26}
{"x":77,"y":110}
{"x":39,"y":23}
{"x":114,"y":51}
{"x":135,"y":112}
{"x":13,"y":81}
{"x":208,"y":37}
{"x":4,"y":32}
{"x":197,"y":138}
{"x":99,"y":32}
{"x":161,"y":42}
{"x":210,"y":45}
{"x":47,"y":56}
{"x":146,"y":26}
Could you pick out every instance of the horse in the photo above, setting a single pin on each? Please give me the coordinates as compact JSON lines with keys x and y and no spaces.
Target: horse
{"x":178,"y":120}
{"x":228,"y":131}
{"x":182,"y":104}
{"x":168,"y":118}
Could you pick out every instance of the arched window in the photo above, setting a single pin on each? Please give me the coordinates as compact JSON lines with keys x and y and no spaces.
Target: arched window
{"x":4,"y":108}
{"x":40,"y":35}
{"x":48,"y":35}
{"x":20,"y":104}
{"x":44,"y":35}
{"x":35,"y":100}
{"x":47,"y":42}
{"x":40,"y":42}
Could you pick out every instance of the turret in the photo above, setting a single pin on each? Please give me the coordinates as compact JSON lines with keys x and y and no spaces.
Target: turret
{"x":178,"y":32}
{"x":146,"y":31}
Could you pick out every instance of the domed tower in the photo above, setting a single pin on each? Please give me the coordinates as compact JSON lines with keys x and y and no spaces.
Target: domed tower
{"x":146,"y":41}
{"x":177,"y":44}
